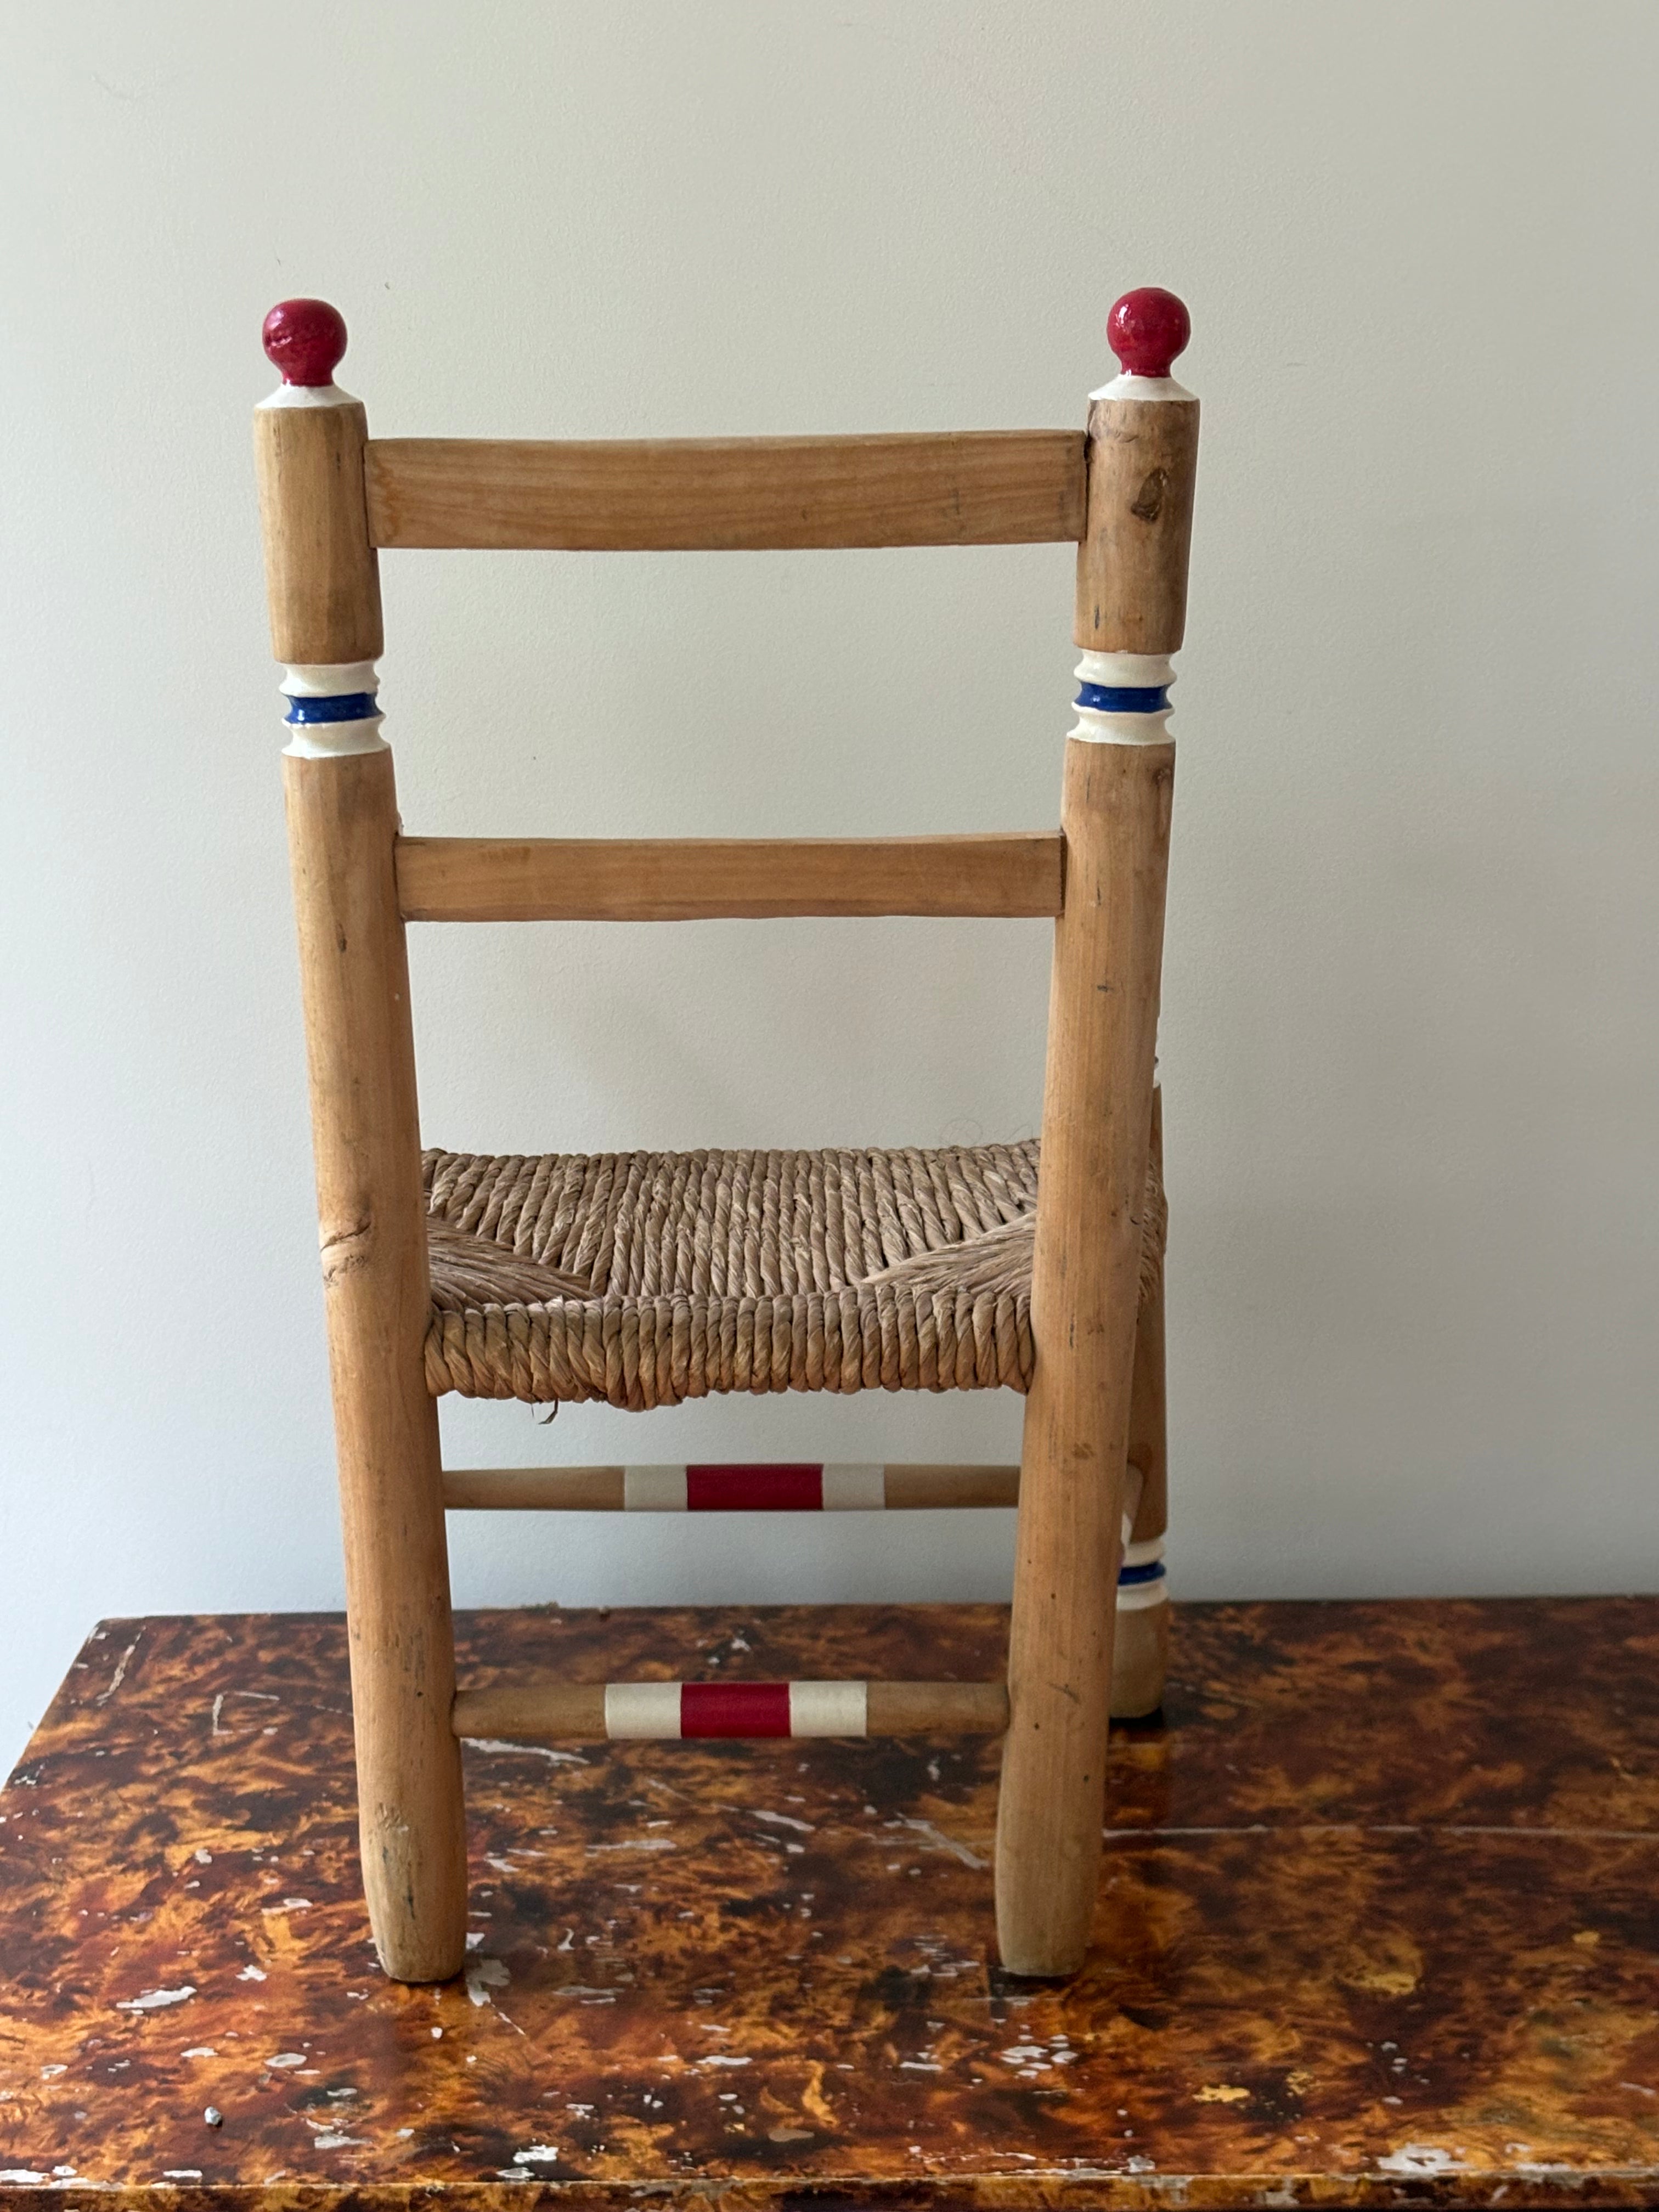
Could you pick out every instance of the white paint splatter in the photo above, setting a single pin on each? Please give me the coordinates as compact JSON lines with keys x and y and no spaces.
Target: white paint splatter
{"x":937,"y":1840}
{"x":152,"y":2000}
{"x":526,"y":1751}
{"x":118,"y":1676}
{"x":252,"y":1974}
{"x":1415,"y":2158}
{"x":483,"y":1975}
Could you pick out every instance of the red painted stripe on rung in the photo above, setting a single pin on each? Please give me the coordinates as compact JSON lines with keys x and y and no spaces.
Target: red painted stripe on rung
{"x":734,"y":1709}
{"x":761,"y":1487}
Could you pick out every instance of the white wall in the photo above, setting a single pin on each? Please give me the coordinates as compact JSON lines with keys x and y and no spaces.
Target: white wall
{"x":1411,"y":1043}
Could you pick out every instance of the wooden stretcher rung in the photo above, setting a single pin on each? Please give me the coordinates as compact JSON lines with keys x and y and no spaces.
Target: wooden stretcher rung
{"x":597,"y":1712}
{"x":764,"y":1486}
{"x":727,"y":494}
{"x":716,"y":878}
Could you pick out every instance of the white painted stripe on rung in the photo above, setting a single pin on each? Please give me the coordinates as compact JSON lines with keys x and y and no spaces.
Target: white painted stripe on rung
{"x":854,"y":1489}
{"x":653,"y":1490}
{"x":1144,"y":1554}
{"x":1141,"y":1597}
{"x":641,"y":1709}
{"x":829,"y":1709}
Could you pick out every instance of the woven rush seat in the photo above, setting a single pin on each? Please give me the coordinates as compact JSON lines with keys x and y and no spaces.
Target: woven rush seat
{"x":645,"y":1279}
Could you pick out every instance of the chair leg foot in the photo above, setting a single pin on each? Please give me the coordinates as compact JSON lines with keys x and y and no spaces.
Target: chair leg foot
{"x":1140,"y":1662}
{"x":411,"y":1824}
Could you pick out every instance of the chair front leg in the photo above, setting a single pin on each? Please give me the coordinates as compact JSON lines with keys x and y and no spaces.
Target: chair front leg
{"x":1141,"y":457}
{"x":1085,"y":1276}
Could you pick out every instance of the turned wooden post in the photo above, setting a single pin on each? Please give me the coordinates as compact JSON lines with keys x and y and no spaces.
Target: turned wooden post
{"x":343,"y":818}
{"x":1097,"y":1126}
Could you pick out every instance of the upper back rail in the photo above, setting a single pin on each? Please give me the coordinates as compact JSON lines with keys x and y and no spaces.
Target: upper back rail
{"x":724,"y":494}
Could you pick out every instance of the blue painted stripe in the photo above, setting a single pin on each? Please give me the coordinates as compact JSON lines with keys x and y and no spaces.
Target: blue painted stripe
{"x":1153,"y":1571}
{"x":1124,"y":698}
{"x":345,"y":707}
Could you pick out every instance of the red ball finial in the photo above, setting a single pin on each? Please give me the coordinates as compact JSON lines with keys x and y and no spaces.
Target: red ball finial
{"x":1147,"y":329}
{"x":306,"y":339}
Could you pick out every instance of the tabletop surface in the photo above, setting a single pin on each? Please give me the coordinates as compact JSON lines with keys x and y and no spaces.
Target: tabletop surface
{"x":1377,"y":1925}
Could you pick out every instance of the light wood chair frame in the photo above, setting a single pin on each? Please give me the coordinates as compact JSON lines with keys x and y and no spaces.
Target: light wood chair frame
{"x":332,"y":500}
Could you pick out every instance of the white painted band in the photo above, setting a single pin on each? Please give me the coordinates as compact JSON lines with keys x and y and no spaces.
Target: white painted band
{"x":653,"y":1490}
{"x":1094,"y":728}
{"x":328,"y":679}
{"x":852,"y":1489}
{"x":334,"y":740}
{"x":1139,"y":672}
{"x":1141,"y":1597}
{"x":308,"y":395}
{"x":1145,"y":1554}
{"x":829,"y":1709}
{"x":640,"y":1709}
{"x":1142,"y":387}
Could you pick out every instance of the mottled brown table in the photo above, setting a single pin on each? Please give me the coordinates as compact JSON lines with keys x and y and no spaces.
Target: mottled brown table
{"x":1378,"y":1926}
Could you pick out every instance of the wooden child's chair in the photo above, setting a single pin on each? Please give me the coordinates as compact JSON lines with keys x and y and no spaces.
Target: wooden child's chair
{"x":647,"y":1278}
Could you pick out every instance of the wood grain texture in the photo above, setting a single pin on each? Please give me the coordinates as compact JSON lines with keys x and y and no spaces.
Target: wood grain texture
{"x":1382,"y":1927}
{"x":1096,"y":1121}
{"x":1149,"y":1445}
{"x":1132,"y":561}
{"x":973,"y":488}
{"x":918,"y":1486}
{"x":321,"y":578}
{"x":938,"y":1708}
{"x":706,"y":878}
{"x":533,"y":1489}
{"x":343,"y":818}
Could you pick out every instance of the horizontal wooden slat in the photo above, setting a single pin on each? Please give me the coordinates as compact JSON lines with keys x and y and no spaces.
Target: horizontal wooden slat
{"x":603,"y":1489}
{"x":704,"y":878}
{"x":718,"y":494}
{"x":555,"y":1712}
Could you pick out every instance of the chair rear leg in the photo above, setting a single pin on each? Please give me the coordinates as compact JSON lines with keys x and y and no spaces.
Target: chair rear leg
{"x":1140,"y":1651}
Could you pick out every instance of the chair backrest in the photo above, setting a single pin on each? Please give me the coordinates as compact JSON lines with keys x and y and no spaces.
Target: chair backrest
{"x":332,"y":498}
